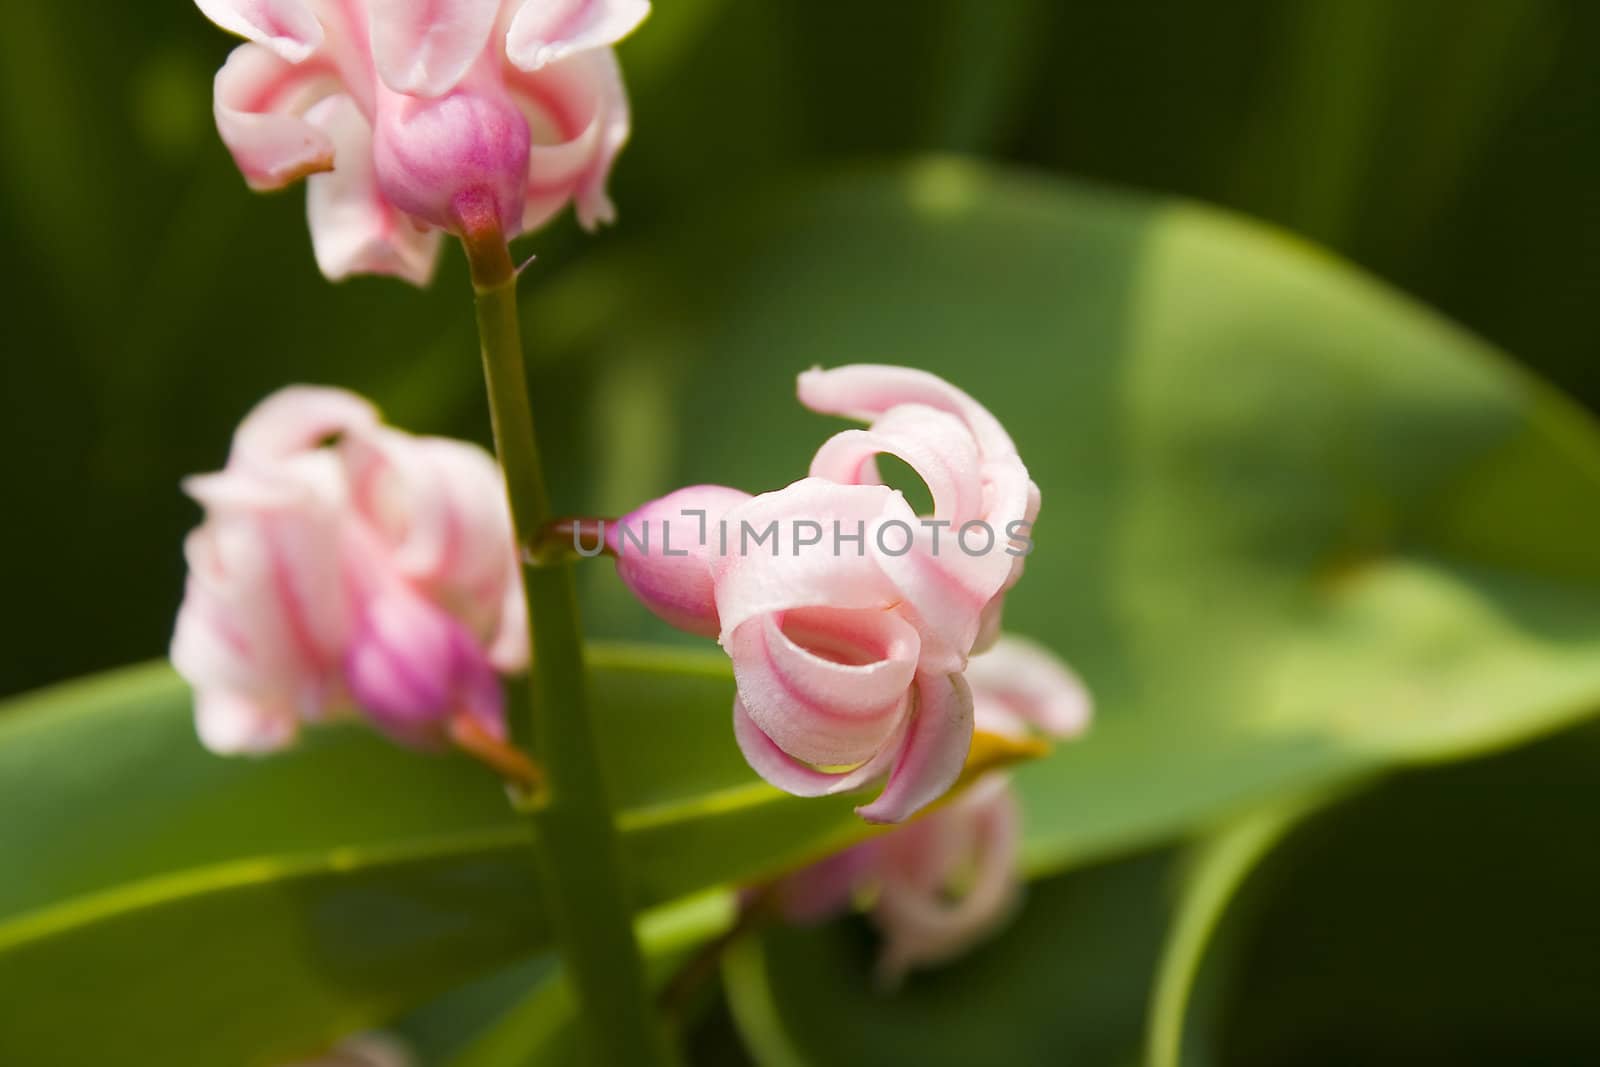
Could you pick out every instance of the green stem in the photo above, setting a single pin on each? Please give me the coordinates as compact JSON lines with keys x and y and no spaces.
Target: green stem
{"x":579,"y":856}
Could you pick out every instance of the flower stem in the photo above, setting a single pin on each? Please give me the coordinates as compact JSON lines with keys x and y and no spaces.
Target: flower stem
{"x":579,"y":857}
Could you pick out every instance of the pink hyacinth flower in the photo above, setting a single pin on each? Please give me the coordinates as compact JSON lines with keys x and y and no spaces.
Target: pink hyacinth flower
{"x":833,"y":693}
{"x":344,"y":562}
{"x":849,"y":622}
{"x":935,"y":887}
{"x":945,"y":881}
{"x":409,"y":117}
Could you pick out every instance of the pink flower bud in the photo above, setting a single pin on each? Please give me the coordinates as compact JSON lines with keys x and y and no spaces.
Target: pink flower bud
{"x":664,"y":552}
{"x":457,"y":162}
{"x":936,"y":886}
{"x":836,"y":690}
{"x":412,"y":668}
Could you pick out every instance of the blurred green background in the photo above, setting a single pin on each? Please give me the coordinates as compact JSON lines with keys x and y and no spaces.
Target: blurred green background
{"x":1296,"y":532}
{"x":1451,"y":147}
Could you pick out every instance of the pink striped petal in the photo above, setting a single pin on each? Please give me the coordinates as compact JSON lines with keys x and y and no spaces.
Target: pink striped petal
{"x":929,"y":919}
{"x":235,"y":723}
{"x":1019,"y":687}
{"x":438,"y":508}
{"x":288,"y":27}
{"x":424,"y":47}
{"x":799,"y":779}
{"x":353,"y":229}
{"x":298,"y":418}
{"x":577,"y":113}
{"x":864,"y":391}
{"x":827,"y":686}
{"x":935,"y":444}
{"x":934,"y":752}
{"x":260,"y":103}
{"x":755,"y":577}
{"x":544,"y":31}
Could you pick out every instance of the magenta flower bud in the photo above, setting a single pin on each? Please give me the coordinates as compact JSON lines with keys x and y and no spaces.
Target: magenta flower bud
{"x":664,"y":551}
{"x":457,"y":162}
{"x":412,"y":667}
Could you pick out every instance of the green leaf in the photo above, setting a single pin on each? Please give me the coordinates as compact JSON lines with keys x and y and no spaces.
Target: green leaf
{"x":1296,"y":529}
{"x":285,"y":901}
{"x":1446,"y":916}
{"x":1065,"y":983}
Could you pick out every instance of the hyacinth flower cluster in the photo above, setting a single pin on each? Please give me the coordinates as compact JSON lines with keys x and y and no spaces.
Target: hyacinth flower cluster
{"x":412,"y":118}
{"x":851,"y":620}
{"x":346,"y":567}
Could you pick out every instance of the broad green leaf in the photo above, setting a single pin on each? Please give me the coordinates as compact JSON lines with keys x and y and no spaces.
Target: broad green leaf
{"x":229,"y":911}
{"x":1067,"y":982}
{"x":1296,"y":529}
{"x":1446,"y":916}
{"x":523,"y":1017}
{"x":1183,"y":1003}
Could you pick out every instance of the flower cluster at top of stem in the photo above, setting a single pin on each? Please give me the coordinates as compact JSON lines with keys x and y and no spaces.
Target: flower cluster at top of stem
{"x":411,"y":117}
{"x":849,"y":619}
{"x":341,"y":562}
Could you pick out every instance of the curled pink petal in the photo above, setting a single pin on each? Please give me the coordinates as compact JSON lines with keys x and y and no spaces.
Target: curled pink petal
{"x":664,"y":551}
{"x":438,"y":510}
{"x":800,"y":779}
{"x":935,"y":750}
{"x":828,"y":686}
{"x":354,"y":230}
{"x":260,"y":103}
{"x":922,"y":920}
{"x":1019,"y":687}
{"x":983,"y":497}
{"x":765,"y":568}
{"x":234,"y":723}
{"x":298,"y":418}
{"x":579,"y":120}
{"x":937,"y":885}
{"x":864,"y":391}
{"x":422,"y":48}
{"x":544,"y":31}
{"x":288,"y":27}
{"x":933,"y":443}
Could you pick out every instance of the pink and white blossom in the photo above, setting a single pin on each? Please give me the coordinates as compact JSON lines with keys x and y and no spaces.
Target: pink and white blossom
{"x":851,"y":629}
{"x":941,"y":883}
{"x":342,"y":562}
{"x":934,"y":887}
{"x":411,"y":117}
